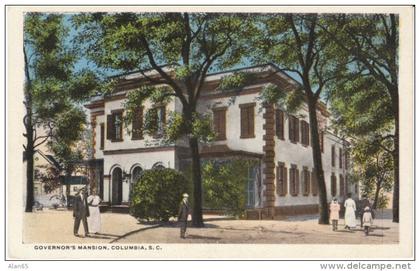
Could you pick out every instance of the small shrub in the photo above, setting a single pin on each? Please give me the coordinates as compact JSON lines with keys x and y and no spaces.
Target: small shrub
{"x":157,"y":193}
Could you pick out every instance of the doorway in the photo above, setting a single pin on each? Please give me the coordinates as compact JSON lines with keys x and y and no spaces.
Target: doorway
{"x":116,"y":197}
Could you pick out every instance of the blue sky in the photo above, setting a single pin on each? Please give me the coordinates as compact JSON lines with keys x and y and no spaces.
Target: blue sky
{"x":84,"y":63}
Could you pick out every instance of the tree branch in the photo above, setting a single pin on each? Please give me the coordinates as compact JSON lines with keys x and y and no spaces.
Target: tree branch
{"x":289,"y":19}
{"x":165,"y":76}
{"x":42,"y":142}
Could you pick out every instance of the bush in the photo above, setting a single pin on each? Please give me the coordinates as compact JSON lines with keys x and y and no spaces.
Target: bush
{"x":157,"y":193}
{"x":224,"y":185}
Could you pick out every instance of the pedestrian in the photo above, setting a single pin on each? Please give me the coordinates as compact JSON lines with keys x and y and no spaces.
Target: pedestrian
{"x":334,"y":213}
{"x":80,"y":212}
{"x":350,"y":213}
{"x":367,"y":220}
{"x":364,"y":203}
{"x":183,"y":214}
{"x":94,"y":219}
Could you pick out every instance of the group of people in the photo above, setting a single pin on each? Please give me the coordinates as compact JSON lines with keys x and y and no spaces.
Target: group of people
{"x":86,"y":210}
{"x":366,"y":214}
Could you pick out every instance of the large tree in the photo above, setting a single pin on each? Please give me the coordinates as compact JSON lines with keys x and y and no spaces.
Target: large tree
{"x":188,"y":44}
{"x":373,"y":169}
{"x":51,"y":86}
{"x":300,"y":47}
{"x":362,"y":111}
{"x":372,"y":41}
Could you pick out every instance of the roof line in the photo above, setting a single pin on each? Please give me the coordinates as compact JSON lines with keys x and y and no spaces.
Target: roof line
{"x":213,"y":73}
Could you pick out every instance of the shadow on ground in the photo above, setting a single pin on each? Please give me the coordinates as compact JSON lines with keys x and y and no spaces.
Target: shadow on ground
{"x":195,"y":236}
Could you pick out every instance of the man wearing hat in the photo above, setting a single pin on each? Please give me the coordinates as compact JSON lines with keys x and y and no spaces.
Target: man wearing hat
{"x":183,"y":214}
{"x":80,"y":212}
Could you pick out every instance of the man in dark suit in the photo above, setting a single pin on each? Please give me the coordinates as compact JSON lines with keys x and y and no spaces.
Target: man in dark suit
{"x":80,"y":212}
{"x":184,"y":210}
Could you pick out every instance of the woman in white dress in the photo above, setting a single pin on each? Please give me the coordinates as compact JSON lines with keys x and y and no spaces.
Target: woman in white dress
{"x":350,"y":214}
{"x":94,"y":219}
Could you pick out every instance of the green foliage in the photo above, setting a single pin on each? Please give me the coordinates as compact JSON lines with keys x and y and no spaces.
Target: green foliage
{"x":236,"y":80}
{"x":120,"y":41}
{"x":157,"y":193}
{"x":290,"y":101}
{"x":224,"y":184}
{"x":53,"y":88}
{"x":202,"y":128}
{"x":361,"y":107}
{"x":49,"y":176}
{"x":294,"y":100}
{"x":271,"y":94}
{"x":175,"y":127}
{"x":373,"y":166}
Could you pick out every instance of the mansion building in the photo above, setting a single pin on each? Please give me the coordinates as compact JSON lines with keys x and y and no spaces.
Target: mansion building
{"x":280,"y":182}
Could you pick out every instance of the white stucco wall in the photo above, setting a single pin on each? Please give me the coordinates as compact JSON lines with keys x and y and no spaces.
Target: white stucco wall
{"x":295,"y":153}
{"x":99,"y":120}
{"x":126,"y":162}
{"x":127,"y":142}
{"x":233,"y":122}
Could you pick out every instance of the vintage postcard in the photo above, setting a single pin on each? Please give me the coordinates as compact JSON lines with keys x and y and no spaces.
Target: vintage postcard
{"x":217,"y":132}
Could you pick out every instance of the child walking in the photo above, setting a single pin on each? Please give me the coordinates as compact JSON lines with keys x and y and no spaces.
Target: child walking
{"x":334,"y":213}
{"x":367,"y":220}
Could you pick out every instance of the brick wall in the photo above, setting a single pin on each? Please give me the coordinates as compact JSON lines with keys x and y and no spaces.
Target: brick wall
{"x":268,"y":161}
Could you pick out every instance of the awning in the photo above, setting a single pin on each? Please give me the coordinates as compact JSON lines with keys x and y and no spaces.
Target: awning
{"x":72,"y":180}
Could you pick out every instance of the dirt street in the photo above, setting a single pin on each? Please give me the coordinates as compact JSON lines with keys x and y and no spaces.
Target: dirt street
{"x":52,"y":226}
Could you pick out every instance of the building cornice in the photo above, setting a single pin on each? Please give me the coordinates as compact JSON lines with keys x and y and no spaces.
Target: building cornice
{"x":139,"y":150}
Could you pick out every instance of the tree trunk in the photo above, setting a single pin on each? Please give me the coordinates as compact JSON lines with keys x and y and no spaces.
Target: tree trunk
{"x":378,"y":188}
{"x":29,"y":179}
{"x":30,"y":148}
{"x":317,"y":159}
{"x":396,"y":193}
{"x":197,"y":215}
{"x":29,"y":155}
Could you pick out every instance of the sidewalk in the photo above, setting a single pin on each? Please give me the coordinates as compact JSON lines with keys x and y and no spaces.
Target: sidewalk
{"x":51,"y":226}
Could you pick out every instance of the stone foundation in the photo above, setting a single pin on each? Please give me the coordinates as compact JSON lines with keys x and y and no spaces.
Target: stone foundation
{"x":281,"y":212}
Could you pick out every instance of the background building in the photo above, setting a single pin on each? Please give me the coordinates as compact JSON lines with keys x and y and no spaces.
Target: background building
{"x":282,"y":178}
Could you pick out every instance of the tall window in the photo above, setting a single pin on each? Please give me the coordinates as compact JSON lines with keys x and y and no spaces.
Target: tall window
{"x":281,"y":186}
{"x":305,"y":132}
{"x":250,"y":186}
{"x":314,"y":184}
{"x":135,"y":176}
{"x":160,"y":115}
{"x":247,"y":120}
{"x":294,"y":180}
{"x":342,"y":189}
{"x":219,"y":123}
{"x":115,"y":125}
{"x":280,"y":124}
{"x":306,"y":181}
{"x":340,"y":158}
{"x":333,"y":185}
{"x":137,"y":129}
{"x":321,"y":140}
{"x":102,"y":139}
{"x":346,"y":159}
{"x":293,"y":129}
{"x":333,"y":156}
{"x":346,"y":185}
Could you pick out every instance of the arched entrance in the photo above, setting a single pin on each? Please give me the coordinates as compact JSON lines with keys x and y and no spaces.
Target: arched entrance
{"x":158,"y":165}
{"x":135,"y":175}
{"x":116,"y":197}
